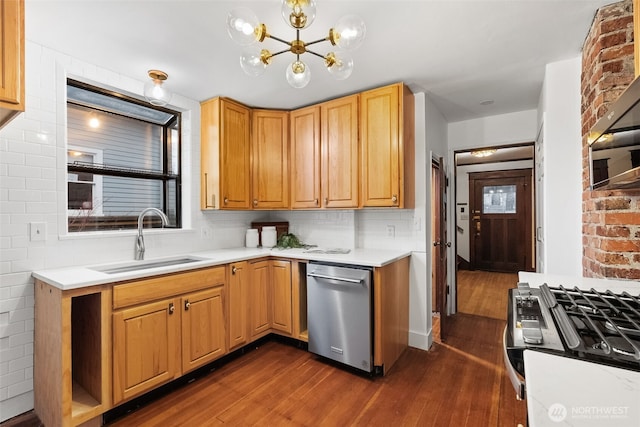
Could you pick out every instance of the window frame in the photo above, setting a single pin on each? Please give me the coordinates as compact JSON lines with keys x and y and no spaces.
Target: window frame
{"x":169,"y":136}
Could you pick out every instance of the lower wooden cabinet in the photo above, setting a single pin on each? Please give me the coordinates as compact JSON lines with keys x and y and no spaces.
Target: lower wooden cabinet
{"x":238,"y":302}
{"x":146,"y":349}
{"x":156,"y":340}
{"x":270,"y":306}
{"x":281,"y":296}
{"x":259,"y":299}
{"x":203,"y":328}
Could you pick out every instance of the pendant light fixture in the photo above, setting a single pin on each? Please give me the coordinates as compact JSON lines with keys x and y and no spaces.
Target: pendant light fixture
{"x":154,"y":91}
{"x":245,"y":29}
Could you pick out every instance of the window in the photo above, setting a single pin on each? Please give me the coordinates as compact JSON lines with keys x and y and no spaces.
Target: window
{"x":122,"y":156}
{"x":499,"y":199}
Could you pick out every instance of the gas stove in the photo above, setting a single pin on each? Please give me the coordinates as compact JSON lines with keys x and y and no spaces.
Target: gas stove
{"x":596,"y":326}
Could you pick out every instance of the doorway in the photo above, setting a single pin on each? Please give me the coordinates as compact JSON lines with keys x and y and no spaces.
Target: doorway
{"x":501,"y":178}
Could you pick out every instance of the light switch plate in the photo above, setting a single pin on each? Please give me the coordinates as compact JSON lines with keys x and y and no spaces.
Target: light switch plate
{"x":37,"y":231}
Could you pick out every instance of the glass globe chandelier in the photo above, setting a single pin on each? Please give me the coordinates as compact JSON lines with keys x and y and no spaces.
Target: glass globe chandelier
{"x":245,"y":29}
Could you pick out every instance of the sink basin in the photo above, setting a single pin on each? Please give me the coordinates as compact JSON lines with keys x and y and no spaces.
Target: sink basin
{"x":145,"y":265}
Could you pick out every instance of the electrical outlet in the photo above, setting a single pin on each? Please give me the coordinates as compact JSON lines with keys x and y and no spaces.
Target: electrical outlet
{"x":37,"y":231}
{"x":391,"y":231}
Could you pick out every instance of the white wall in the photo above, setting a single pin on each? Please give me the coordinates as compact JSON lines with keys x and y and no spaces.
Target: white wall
{"x":562,"y":208}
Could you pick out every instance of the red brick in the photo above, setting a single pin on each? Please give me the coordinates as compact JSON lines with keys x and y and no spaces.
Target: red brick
{"x":620,"y":245}
{"x":613,"y":231}
{"x":613,"y":67}
{"x":613,"y":204}
{"x":624,"y":218}
{"x":617,"y":24}
{"x":612,"y":258}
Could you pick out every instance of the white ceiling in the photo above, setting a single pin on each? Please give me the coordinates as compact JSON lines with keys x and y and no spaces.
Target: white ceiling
{"x":460,"y":52}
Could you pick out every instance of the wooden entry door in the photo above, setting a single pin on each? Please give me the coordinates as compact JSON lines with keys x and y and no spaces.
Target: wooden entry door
{"x":501,"y":220}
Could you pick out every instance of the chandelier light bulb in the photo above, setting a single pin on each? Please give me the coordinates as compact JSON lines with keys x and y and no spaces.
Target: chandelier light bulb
{"x":348,"y":33}
{"x":339,"y":65}
{"x":242,"y":25}
{"x":298,"y":13}
{"x":298,"y":74}
{"x":252,"y":63}
{"x":154,"y":91}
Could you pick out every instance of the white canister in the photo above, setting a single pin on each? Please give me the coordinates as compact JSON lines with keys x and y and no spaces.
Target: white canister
{"x":269,"y":237}
{"x":251,"y":239}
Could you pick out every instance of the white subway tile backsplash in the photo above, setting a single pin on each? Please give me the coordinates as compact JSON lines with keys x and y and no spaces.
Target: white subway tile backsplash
{"x":20,"y":339}
{"x":20,"y":387}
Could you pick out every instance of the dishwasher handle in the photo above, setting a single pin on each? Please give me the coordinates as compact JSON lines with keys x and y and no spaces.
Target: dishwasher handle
{"x":340,"y":279}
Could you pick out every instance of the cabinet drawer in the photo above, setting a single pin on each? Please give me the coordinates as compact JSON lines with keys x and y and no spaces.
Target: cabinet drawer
{"x":159,"y":287}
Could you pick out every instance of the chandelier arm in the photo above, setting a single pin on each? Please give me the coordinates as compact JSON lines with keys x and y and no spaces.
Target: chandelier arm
{"x":282,"y":51}
{"x":314,"y":53}
{"x":279,"y":39}
{"x":326,"y":39}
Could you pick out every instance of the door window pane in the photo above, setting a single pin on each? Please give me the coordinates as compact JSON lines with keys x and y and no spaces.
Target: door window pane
{"x":499,"y":199}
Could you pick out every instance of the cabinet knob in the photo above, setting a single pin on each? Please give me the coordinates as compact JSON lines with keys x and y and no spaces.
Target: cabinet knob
{"x":172,"y":308}
{"x":255,"y":202}
{"x":316,"y":202}
{"x":233,"y":270}
{"x":187,"y":304}
{"x":394,"y":199}
{"x":226,"y":200}
{"x":326,"y":201}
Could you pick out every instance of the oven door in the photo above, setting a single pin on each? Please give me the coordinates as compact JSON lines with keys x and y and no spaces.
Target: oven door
{"x":517,"y":380}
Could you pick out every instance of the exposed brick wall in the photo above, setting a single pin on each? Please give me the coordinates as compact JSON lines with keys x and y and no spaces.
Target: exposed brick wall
{"x":610,"y":219}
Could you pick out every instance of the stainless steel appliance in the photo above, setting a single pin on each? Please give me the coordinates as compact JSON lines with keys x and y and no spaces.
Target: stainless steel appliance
{"x":614,"y":142}
{"x":339,"y":313}
{"x":596,"y":326}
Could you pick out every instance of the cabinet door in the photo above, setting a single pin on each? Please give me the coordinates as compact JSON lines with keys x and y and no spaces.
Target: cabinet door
{"x":387,"y":144}
{"x":146,"y":348}
{"x":203,"y":328}
{"x":235,"y":145}
{"x":340,"y":152}
{"x":281,"y":296}
{"x":11,"y":59}
{"x":305,"y":158}
{"x":270,"y":159}
{"x":259,"y":311}
{"x":238,"y":304}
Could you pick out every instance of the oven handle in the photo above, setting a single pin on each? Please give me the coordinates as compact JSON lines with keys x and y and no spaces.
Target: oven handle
{"x":516,"y":380}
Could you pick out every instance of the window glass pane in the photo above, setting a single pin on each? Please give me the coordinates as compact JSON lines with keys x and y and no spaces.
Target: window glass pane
{"x":122,"y":158}
{"x":499,"y":199}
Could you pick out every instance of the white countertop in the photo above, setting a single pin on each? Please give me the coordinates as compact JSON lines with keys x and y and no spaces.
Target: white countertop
{"x":84,"y":276}
{"x":567,"y":392}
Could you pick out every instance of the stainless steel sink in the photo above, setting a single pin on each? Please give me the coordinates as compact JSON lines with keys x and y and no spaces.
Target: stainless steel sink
{"x":145,"y":265}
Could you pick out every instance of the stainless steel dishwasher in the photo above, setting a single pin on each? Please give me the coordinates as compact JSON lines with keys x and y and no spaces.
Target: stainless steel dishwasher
{"x":339,"y":313}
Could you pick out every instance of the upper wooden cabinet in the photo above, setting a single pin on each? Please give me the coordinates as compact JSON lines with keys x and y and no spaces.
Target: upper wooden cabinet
{"x":11,"y":59}
{"x":387,"y":132}
{"x":305,"y":158}
{"x":225,"y":155}
{"x":339,"y":152}
{"x":270,"y":159}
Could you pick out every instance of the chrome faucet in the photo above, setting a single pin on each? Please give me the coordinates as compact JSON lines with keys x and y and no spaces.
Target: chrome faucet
{"x":140,"y":238}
